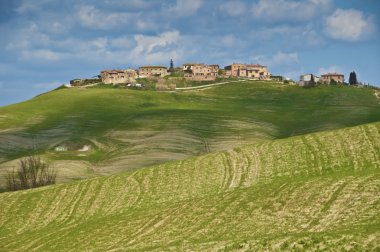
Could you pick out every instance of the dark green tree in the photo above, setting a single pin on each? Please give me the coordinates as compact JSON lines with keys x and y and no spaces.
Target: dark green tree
{"x":312,"y":81}
{"x":352,"y":80}
{"x":171,"y":68}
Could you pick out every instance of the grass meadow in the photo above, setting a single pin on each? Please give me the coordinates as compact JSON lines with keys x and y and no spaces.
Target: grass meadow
{"x":130,"y":129}
{"x":313,"y":192}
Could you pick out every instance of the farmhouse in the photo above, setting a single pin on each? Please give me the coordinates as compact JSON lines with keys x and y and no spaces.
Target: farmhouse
{"x":233,"y":70}
{"x":84,"y":82}
{"x":306,"y":78}
{"x":147,"y":71}
{"x":251,"y":71}
{"x":187,"y":67}
{"x":327,"y":78}
{"x":200,"y":72}
{"x":214,"y":68}
{"x":118,"y":76}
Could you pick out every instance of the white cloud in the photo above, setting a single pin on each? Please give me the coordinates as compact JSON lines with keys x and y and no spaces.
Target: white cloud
{"x":269,"y":33}
{"x":122,"y":42}
{"x":131,"y":49}
{"x":156,"y":48}
{"x":289,"y":10}
{"x":233,"y":8}
{"x":349,"y":25}
{"x":140,"y":4}
{"x":146,"y":44}
{"x":31,"y":44}
{"x":92,"y":17}
{"x":185,"y":7}
{"x":41,"y":55}
{"x":99,"y":44}
{"x":280,"y":58}
{"x":231,"y":41}
{"x":58,"y":27}
{"x":26,"y":7}
{"x":143,"y":25}
{"x":292,"y":37}
{"x":27,"y":37}
{"x":31,"y":6}
{"x":330,"y":69}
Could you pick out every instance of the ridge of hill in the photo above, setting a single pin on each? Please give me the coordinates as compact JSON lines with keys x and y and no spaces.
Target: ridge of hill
{"x":318,"y":191}
{"x":129,"y":129}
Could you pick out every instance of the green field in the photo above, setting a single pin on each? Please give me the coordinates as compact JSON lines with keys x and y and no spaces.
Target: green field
{"x":130,"y":129}
{"x":314,"y":192}
{"x":248,"y":166}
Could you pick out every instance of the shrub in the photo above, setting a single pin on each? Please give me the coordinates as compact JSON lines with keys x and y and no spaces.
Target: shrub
{"x":32,"y":173}
{"x":333,"y":82}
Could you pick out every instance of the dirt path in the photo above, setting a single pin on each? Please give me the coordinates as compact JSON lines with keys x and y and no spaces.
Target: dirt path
{"x":206,"y":86}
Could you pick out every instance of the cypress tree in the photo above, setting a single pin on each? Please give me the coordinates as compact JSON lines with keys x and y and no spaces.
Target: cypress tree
{"x":171,"y":68}
{"x":312,"y":81}
{"x":353,"y":80}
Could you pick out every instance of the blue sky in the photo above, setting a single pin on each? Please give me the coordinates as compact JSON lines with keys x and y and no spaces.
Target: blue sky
{"x":45,"y":43}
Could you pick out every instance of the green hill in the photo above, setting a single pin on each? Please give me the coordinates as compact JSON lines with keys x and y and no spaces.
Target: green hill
{"x":314,"y":192}
{"x":129,"y":129}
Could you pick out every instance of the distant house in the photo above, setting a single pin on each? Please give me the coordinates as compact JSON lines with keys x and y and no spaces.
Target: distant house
{"x":327,"y":78}
{"x":251,"y":71}
{"x":306,"y":78}
{"x":234,"y":69}
{"x":200,"y":72}
{"x":277,"y":77}
{"x":118,"y":76}
{"x":147,"y":71}
{"x":188,"y":67}
{"x":214,"y":69}
{"x":84,"y":82}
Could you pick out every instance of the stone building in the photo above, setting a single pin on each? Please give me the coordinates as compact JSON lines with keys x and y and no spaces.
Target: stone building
{"x":234,"y":69}
{"x":327,"y":78}
{"x":214,"y":69}
{"x":118,"y":76}
{"x":306,"y":78}
{"x":251,"y":71}
{"x":200,"y":72}
{"x":147,"y":71}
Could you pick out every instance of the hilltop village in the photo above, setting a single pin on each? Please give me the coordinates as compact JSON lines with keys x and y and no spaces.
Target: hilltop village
{"x":197,"y":72}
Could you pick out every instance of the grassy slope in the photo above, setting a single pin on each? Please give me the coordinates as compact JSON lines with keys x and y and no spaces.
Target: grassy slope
{"x":134,"y":129}
{"x":313,"y":192}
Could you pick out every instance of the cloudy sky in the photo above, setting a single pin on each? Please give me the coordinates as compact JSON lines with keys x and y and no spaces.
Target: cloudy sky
{"x":45,"y":43}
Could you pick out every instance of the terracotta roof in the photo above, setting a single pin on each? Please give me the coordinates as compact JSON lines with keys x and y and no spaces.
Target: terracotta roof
{"x":255,"y":65}
{"x":152,"y":67}
{"x":332,"y":74}
{"x":309,"y":74}
{"x":117,"y":71}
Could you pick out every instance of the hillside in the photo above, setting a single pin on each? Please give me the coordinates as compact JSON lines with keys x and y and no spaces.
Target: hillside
{"x":129,"y":129}
{"x":312,"y":192}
